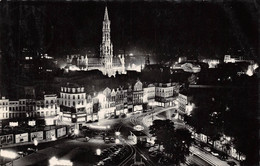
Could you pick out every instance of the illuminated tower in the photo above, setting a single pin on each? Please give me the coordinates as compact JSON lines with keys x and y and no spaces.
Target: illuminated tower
{"x":106,"y":47}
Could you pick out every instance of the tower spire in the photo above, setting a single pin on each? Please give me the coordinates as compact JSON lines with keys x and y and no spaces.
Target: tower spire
{"x":106,"y":14}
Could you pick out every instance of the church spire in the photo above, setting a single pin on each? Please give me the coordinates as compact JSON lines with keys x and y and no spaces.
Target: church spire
{"x":106,"y":15}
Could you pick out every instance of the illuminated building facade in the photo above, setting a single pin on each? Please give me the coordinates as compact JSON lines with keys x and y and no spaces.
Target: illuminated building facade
{"x":106,"y":63}
{"x":73,"y":103}
{"x":4,"y":108}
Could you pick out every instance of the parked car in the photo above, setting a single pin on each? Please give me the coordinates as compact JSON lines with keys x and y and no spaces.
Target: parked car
{"x":232,"y":163}
{"x":164,"y":160}
{"x":107,"y":140}
{"x":123,"y":115}
{"x":154,"y":154}
{"x":207,"y":149}
{"x":87,"y":139}
{"x":153,"y":148}
{"x":112,"y":140}
{"x":147,"y":144}
{"x":215,"y":154}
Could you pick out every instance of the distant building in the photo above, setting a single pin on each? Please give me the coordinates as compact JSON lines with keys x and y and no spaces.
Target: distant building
{"x":106,"y":63}
{"x":121,"y":101}
{"x":213,"y":63}
{"x":165,"y":93}
{"x":135,"y":96}
{"x":187,"y":67}
{"x":107,"y":104}
{"x":149,"y":94}
{"x":17,"y":109}
{"x":4,"y":108}
{"x":235,"y":59}
{"x":47,"y":107}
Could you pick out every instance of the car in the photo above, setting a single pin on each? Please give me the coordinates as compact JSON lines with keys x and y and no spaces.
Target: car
{"x":22,"y":153}
{"x":207,"y":149}
{"x":30,"y":149}
{"x":164,"y":160}
{"x":153,"y":148}
{"x":232,"y":163}
{"x":100,"y":163}
{"x":123,"y":115}
{"x":153,"y":154}
{"x":107,"y":140}
{"x":147,"y":144}
{"x":214,"y":154}
{"x":112,"y":140}
{"x":87,"y":139}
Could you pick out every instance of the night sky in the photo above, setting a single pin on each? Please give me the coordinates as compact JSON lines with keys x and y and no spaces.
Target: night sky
{"x":164,"y":29}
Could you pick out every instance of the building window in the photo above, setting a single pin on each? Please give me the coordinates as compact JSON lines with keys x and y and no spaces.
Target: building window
{"x":73,"y":97}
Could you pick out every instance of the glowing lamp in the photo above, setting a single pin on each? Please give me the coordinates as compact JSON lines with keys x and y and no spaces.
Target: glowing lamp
{"x":98,"y":152}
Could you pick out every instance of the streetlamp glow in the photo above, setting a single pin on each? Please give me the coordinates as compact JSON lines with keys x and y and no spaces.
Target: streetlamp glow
{"x":117,"y":133}
{"x":76,"y":131}
{"x":117,"y":141}
{"x":98,"y":152}
{"x":35,"y":142}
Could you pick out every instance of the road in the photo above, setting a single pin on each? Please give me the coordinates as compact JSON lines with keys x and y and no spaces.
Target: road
{"x":199,"y":156}
{"x":83,"y":153}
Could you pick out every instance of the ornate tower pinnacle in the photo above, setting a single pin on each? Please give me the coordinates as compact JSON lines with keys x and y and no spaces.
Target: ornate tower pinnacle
{"x":106,"y":14}
{"x":106,"y":47}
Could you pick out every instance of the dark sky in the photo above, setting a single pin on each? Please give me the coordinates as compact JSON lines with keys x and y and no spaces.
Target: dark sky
{"x":166,"y":29}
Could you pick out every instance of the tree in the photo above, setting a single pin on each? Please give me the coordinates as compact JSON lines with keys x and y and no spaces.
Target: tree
{"x":176,"y":143}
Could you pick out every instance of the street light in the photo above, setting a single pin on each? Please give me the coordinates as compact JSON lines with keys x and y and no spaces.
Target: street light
{"x":35,"y":142}
{"x":117,"y":133}
{"x":117,"y":141}
{"x":76,"y":132}
{"x":98,"y":152}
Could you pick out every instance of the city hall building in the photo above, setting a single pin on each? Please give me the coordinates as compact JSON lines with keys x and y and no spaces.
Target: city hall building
{"x":106,"y":63}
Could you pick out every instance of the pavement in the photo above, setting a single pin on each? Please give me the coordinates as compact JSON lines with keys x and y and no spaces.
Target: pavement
{"x":77,"y":151}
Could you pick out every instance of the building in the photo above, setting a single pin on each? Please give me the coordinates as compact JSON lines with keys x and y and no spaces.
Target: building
{"x":106,"y":63}
{"x":17,"y":109}
{"x":213,"y":63}
{"x":107,"y":103}
{"x":165,"y":93}
{"x":4,"y":108}
{"x":149,"y":94}
{"x":121,"y":101}
{"x":138,"y":94}
{"x":73,"y":103}
{"x":187,"y":67}
{"x":235,"y":59}
{"x":46,"y":107}
{"x":185,"y":105}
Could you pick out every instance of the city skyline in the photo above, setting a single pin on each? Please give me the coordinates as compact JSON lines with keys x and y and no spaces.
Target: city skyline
{"x":129,"y":83}
{"x":158,"y":28}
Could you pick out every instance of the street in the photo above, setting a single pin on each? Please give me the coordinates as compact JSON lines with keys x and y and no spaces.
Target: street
{"x":80,"y":152}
